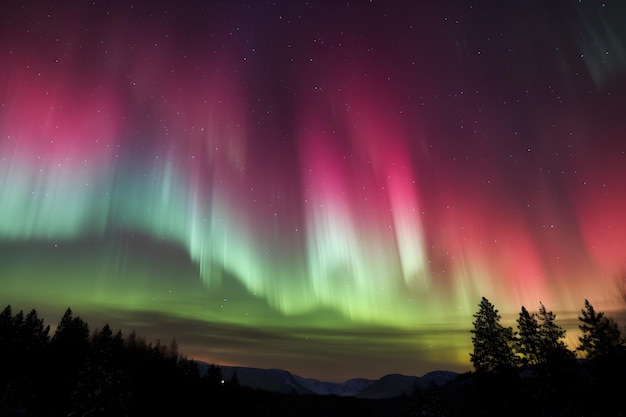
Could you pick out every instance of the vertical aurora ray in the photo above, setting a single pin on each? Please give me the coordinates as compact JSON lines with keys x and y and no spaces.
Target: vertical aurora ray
{"x":56,"y":149}
{"x":383,"y":140}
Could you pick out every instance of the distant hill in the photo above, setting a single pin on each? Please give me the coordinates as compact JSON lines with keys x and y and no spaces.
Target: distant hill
{"x":284,"y":382}
{"x":394,"y":385}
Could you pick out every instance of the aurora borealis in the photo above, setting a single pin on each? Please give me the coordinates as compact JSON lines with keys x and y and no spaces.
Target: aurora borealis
{"x":323,"y":187}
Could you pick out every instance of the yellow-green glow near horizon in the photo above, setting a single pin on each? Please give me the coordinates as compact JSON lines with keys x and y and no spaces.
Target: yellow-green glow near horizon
{"x":329,"y":185}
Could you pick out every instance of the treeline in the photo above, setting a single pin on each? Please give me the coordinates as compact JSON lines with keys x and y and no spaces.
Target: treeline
{"x":77,"y":373}
{"x":517,"y":372}
{"x":530,"y":370}
{"x":539,"y":341}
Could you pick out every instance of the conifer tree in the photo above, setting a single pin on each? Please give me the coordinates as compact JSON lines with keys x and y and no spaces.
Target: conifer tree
{"x":234,"y":380}
{"x":35,"y":333}
{"x":6,"y":317}
{"x":18,"y":329}
{"x":71,"y":331}
{"x":551,"y":338}
{"x":214,"y":375}
{"x":7,"y":329}
{"x":103,"y":387}
{"x":69,"y":347}
{"x":172,"y":352}
{"x":135,"y":343}
{"x":190,"y":369}
{"x":528,"y":339}
{"x":601,"y":336}
{"x":493,"y":343}
{"x":7,"y":345}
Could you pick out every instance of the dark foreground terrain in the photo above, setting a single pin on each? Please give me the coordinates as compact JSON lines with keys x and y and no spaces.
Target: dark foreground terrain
{"x":78,"y":373}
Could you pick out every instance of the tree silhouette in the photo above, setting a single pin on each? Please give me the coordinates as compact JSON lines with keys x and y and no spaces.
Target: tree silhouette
{"x":8,"y":337}
{"x":8,"y":346}
{"x":493,"y":343}
{"x":34,"y":334}
{"x":172,"y":352}
{"x":23,"y":341}
{"x":71,"y":331}
{"x":551,"y":338}
{"x":69,"y":347}
{"x":234,"y":380}
{"x":604,"y":346}
{"x":6,"y":322}
{"x":528,"y":343}
{"x":103,"y":388}
{"x":213,"y":375}
{"x":601,"y":336}
{"x":131,"y":377}
{"x":73,"y":374}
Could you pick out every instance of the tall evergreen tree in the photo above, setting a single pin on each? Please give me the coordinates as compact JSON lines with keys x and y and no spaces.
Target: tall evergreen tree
{"x":493,"y":343}
{"x":600,"y":334}
{"x":234,"y":380}
{"x":551,"y":338}
{"x":69,"y":347}
{"x":214,"y":375}
{"x":527,"y":344}
{"x":7,"y":345}
{"x":6,"y":319}
{"x":22,"y":343}
{"x":103,"y":388}
{"x":135,"y":343}
{"x":35,"y":334}
{"x":71,"y":331}
{"x":190,"y":369}
{"x":18,"y":329}
{"x":172,"y":352}
{"x":7,"y":329}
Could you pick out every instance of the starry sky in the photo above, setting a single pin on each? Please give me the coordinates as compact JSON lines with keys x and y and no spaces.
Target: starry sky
{"x":326,"y":187}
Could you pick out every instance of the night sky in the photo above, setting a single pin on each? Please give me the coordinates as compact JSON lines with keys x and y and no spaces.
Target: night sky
{"x":326,"y":187}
